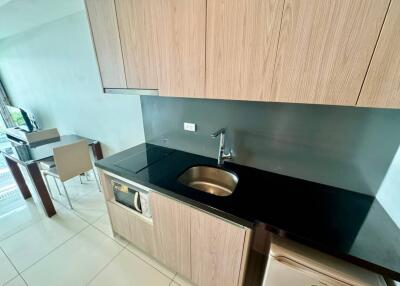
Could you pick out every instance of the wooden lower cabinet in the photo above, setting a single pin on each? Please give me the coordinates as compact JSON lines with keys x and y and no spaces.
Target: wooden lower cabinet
{"x":203,"y":248}
{"x":218,"y":250}
{"x":199,"y":246}
{"x":171,"y":220}
{"x":119,"y":220}
{"x":132,"y":227}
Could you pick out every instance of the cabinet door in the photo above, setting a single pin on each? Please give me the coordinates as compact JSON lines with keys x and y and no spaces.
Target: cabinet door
{"x":163,"y":45}
{"x":382,"y":84}
{"x":132,"y":227}
{"x":137,"y":21}
{"x":218,"y":250}
{"x":242,"y":38}
{"x":104,"y":27}
{"x":119,"y":220}
{"x":141,"y":233}
{"x":325,"y":48}
{"x":182,"y":39}
{"x":171,"y":222}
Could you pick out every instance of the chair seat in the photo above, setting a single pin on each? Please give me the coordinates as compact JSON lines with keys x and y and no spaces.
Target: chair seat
{"x":47,"y":163}
{"x":51,"y":172}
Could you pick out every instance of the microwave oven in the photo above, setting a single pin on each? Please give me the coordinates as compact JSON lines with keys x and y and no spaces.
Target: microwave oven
{"x":131,"y":196}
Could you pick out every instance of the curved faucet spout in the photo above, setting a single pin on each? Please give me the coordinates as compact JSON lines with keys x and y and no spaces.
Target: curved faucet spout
{"x":222,"y":156}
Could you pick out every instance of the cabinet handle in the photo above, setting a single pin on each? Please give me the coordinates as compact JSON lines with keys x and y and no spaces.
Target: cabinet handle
{"x":136,"y":201}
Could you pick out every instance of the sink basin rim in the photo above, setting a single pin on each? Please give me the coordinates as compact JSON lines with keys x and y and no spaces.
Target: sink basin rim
{"x":210,"y":179}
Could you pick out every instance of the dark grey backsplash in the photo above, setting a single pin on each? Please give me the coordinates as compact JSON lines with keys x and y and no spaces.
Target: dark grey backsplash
{"x":345,"y":147}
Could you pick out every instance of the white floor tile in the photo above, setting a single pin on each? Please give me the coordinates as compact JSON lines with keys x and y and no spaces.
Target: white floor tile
{"x":33,"y":243}
{"x":173,"y":283}
{"x":76,"y":262}
{"x":53,"y":251}
{"x":89,"y":215}
{"x":127,"y":269}
{"x":17,"y":281}
{"x":154,"y":263}
{"x":90,"y":207}
{"x":7,"y":271}
{"x":103,"y":224}
{"x":75,"y":189}
{"x":16,"y":220}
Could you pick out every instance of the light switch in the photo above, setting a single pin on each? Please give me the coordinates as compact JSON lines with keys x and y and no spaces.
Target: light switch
{"x":189,"y":126}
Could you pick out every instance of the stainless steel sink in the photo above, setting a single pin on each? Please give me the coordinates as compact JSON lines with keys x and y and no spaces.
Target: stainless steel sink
{"x":211,"y":180}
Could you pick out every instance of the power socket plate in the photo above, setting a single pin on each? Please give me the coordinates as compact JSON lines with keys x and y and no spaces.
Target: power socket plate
{"x":189,"y":126}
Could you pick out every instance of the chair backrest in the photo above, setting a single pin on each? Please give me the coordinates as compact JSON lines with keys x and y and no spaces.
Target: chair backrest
{"x":72,"y":160}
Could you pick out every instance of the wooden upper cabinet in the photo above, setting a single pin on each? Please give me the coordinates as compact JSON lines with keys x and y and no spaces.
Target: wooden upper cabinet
{"x":325,"y":48}
{"x":104,"y":27}
{"x":298,"y":51}
{"x":138,"y":28}
{"x":163,"y":45}
{"x":182,"y":39}
{"x":242,"y":38}
{"x":382,"y":84}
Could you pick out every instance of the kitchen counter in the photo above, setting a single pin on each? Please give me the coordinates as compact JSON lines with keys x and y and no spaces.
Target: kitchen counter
{"x":346,"y":224}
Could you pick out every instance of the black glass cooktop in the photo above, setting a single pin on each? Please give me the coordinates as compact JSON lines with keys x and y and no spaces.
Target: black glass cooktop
{"x":137,"y":162}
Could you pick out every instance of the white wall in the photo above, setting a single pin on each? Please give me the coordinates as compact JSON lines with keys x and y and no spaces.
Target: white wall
{"x":17,"y":16}
{"x":51,"y":70}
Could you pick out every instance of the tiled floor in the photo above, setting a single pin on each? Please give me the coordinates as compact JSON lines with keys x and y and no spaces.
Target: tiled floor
{"x":72,"y":248}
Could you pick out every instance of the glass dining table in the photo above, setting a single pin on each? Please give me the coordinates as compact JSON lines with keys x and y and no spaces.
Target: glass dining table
{"x":28,"y":157}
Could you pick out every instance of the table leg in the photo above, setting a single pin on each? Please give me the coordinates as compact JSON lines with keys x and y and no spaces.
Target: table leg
{"x":19,"y":178}
{"x":98,"y":155}
{"x":97,"y":151}
{"x":41,"y":189}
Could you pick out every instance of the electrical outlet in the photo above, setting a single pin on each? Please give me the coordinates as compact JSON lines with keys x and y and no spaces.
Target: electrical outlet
{"x":189,"y":126}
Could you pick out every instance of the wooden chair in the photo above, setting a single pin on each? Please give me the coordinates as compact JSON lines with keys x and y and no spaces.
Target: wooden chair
{"x":70,"y":161}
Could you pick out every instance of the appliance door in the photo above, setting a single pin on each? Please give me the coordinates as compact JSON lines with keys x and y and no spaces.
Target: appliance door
{"x":145,"y":204}
{"x":285,"y":272}
{"x":126,"y":195}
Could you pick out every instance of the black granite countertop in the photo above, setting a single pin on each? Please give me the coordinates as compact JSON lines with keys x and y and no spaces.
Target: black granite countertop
{"x":346,"y":224}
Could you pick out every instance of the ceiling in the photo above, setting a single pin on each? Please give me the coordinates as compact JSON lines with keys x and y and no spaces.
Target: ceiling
{"x":17,"y":16}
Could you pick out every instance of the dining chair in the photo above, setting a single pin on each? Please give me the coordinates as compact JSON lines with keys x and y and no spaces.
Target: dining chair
{"x":70,"y":161}
{"x":48,"y":163}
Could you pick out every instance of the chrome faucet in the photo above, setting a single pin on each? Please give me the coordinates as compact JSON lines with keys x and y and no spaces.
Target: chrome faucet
{"x":222,"y":156}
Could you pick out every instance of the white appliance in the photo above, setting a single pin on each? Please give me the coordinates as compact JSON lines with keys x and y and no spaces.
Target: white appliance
{"x":133,"y":197}
{"x":292,"y":264}
{"x":33,"y":138}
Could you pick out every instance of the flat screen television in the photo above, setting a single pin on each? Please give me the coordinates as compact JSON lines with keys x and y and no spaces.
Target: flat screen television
{"x":22,"y":119}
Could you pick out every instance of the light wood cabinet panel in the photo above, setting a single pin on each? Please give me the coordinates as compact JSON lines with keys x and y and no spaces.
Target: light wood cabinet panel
{"x":182,"y":38}
{"x":104,"y":27}
{"x":138,"y":31}
{"x":141,"y":232}
{"x":325,"y":48}
{"x":164,"y":45}
{"x":119,"y":220}
{"x":132,"y":227}
{"x":242,"y":38}
{"x":105,"y":185}
{"x":171,"y":221}
{"x":217,"y":250}
{"x":382,"y":84}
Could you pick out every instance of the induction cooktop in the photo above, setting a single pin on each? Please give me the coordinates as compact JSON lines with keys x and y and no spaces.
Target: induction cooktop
{"x":140,"y":161}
